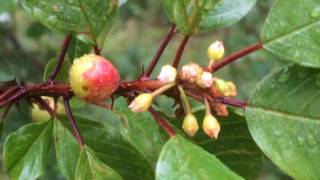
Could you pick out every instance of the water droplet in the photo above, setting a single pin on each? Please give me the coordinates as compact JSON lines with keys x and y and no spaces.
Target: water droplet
{"x":315,"y":12}
{"x":311,"y":140}
{"x":277,"y":133}
{"x":300,"y":140}
{"x":284,"y":77}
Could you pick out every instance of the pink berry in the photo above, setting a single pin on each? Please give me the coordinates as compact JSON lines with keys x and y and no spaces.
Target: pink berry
{"x":93,"y":78}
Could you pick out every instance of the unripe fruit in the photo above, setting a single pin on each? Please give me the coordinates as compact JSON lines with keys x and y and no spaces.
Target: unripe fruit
{"x":38,"y":114}
{"x":93,"y":78}
{"x":190,"y":124}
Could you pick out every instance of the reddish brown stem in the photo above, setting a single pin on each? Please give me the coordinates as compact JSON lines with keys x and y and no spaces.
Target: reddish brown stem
{"x":179,"y":53}
{"x":10,"y":90}
{"x":160,"y":51}
{"x":73,"y":123}
{"x":96,"y":50}
{"x":46,"y":106}
{"x":162,"y":122}
{"x":235,"y":56}
{"x":232,"y":102}
{"x":61,"y":56}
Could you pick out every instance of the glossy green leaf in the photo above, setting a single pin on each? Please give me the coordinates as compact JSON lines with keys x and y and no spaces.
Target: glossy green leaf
{"x":90,"y":167}
{"x":63,"y":73}
{"x":141,"y":130}
{"x":234,"y":147}
{"x":284,"y":119}
{"x":78,"y":16}
{"x":192,"y":16}
{"x":26,"y":150}
{"x":291,"y":31}
{"x":67,"y":150}
{"x":113,"y":149}
{"x":181,"y":159}
{"x":78,"y":48}
{"x":224,"y":13}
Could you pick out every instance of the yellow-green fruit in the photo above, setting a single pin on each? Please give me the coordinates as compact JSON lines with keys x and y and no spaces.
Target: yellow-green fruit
{"x":38,"y":114}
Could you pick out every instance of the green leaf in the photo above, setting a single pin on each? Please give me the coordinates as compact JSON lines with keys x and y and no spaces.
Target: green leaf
{"x":234,"y":147}
{"x":224,"y":13}
{"x":291,"y":31}
{"x":77,"y":16}
{"x":90,"y":167}
{"x":113,"y":149}
{"x":141,"y":130}
{"x":181,"y":159}
{"x":62,"y":75}
{"x":26,"y":150}
{"x":284,"y":119}
{"x":192,"y":16}
{"x":78,"y":48}
{"x":67,"y":150}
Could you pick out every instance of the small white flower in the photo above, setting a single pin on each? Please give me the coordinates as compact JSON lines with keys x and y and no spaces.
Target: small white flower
{"x":167,"y":74}
{"x":191,"y":72}
{"x":205,"y":80}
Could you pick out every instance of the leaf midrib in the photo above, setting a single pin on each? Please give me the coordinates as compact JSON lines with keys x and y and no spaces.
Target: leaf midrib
{"x":283,"y":113}
{"x":289,"y":33}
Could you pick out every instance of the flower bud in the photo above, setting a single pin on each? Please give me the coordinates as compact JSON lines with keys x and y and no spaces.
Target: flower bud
{"x":216,"y":51}
{"x":167,"y":74}
{"x":211,"y":126}
{"x":205,"y":80}
{"x":232,"y":89}
{"x":93,"y":78}
{"x":221,"y":85}
{"x":190,"y":124}
{"x":191,"y":72}
{"x":225,"y":88}
{"x":141,"y":103}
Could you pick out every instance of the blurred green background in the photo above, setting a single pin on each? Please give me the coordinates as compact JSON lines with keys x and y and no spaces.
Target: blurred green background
{"x":26,"y":46}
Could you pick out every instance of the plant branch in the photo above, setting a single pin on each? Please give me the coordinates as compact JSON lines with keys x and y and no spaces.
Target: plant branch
{"x":162,"y":122}
{"x":61,"y":56}
{"x":179,"y":53}
{"x":97,"y":50}
{"x":232,"y":102}
{"x":160,"y":51}
{"x":73,"y":123}
{"x":46,"y":106}
{"x":235,"y":56}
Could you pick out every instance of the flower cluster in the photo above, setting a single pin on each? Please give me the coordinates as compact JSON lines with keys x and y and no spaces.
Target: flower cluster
{"x":192,"y":73}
